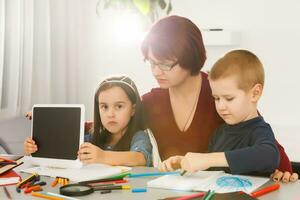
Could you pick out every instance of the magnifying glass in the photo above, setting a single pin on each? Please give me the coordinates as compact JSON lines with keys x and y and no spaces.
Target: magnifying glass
{"x":81,"y":189}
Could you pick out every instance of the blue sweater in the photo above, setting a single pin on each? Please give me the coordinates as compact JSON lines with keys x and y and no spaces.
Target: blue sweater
{"x":249,"y":146}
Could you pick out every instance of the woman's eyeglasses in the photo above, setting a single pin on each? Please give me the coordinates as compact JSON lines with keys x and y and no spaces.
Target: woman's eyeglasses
{"x":162,"y":66}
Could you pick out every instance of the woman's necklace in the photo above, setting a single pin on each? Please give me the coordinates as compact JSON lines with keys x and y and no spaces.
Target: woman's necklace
{"x":185,"y":127}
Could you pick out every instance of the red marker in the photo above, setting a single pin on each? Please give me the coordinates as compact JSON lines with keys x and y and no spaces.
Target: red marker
{"x":265,"y":190}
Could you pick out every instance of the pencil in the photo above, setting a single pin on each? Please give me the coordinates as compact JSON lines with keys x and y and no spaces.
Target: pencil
{"x":7,"y":193}
{"x":37,"y":194}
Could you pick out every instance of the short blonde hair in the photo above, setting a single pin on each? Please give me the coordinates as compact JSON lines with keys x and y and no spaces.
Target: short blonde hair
{"x":241,"y":63}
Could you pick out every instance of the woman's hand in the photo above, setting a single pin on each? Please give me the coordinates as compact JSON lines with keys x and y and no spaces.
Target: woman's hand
{"x":29,"y":146}
{"x":89,"y":153}
{"x":285,"y":177}
{"x":171,"y":164}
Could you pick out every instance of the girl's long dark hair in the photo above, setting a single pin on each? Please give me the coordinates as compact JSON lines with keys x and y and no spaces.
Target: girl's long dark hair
{"x":136,"y":123}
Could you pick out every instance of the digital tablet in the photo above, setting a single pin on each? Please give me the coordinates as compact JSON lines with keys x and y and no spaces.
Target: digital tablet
{"x":58,"y":130}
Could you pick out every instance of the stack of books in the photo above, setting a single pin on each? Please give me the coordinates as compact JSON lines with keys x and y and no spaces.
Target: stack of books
{"x":7,"y":163}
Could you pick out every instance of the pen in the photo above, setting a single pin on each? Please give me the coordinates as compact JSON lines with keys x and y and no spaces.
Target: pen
{"x":210,"y":195}
{"x":5,"y":159}
{"x":192,"y":196}
{"x":183,"y":172}
{"x":265,"y":190}
{"x":152,"y":174}
{"x":7,"y":163}
{"x":108,"y":182}
{"x":105,"y":191}
{"x":207,"y":193}
{"x":7,"y":193}
{"x":112,"y":178}
{"x":114,"y":187}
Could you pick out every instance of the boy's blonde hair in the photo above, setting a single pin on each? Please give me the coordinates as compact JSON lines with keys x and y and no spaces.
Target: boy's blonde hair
{"x":241,"y":63}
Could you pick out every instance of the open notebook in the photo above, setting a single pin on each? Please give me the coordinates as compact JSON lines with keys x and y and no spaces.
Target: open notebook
{"x":86,"y":173}
{"x":208,"y":180}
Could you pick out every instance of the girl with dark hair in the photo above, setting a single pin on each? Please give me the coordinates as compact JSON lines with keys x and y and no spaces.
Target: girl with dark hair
{"x":118,"y":136}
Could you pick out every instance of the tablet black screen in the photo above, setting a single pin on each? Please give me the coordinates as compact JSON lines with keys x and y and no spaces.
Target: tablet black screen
{"x":56,"y":131}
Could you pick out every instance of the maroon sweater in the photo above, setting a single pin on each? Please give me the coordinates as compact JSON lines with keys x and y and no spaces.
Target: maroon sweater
{"x":171,"y":141}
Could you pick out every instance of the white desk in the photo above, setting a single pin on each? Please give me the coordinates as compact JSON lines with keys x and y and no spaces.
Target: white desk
{"x":289,"y":191}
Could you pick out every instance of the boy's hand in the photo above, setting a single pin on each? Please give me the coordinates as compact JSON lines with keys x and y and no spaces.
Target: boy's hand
{"x":193,"y":162}
{"x":171,"y":164}
{"x":89,"y":153}
{"x":284,"y":177}
{"x":29,"y":146}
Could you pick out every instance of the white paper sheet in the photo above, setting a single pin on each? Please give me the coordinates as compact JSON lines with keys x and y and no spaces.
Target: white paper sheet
{"x":208,"y":180}
{"x":86,"y":173}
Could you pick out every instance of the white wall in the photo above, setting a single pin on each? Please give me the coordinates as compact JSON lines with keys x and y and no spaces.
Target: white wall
{"x":269,"y":28}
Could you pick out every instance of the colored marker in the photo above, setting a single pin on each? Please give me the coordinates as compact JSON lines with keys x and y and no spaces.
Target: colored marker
{"x":152,"y":174}
{"x":37,"y":194}
{"x":58,"y":195}
{"x":192,"y":196}
{"x":7,"y":163}
{"x":265,"y":190}
{"x":54,"y":183}
{"x":112,"y":178}
{"x":183,"y":172}
{"x":30,"y":178}
{"x":33,"y":188}
{"x":108,"y":182}
{"x":210,"y":195}
{"x":136,"y":190}
{"x":105,"y":191}
{"x":114,"y":187}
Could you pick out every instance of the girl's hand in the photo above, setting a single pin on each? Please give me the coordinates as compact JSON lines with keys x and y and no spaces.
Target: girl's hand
{"x":193,"y":162}
{"x":171,"y":164}
{"x":29,"y":146}
{"x":284,"y":177}
{"x":89,"y":153}
{"x":29,"y":115}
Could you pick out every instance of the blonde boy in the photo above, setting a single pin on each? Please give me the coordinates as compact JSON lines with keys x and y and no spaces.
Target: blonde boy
{"x":245,"y":142}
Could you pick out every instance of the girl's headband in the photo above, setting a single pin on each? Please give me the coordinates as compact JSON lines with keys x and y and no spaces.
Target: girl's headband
{"x":119,"y":81}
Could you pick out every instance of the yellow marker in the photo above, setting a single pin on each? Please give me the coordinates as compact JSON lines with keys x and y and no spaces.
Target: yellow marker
{"x":32,"y":176}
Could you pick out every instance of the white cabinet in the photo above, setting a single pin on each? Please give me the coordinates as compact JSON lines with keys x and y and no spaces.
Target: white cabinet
{"x":220,"y":37}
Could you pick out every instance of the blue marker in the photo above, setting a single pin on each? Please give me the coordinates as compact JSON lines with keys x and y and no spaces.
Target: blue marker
{"x":153,"y":174}
{"x":136,"y":190}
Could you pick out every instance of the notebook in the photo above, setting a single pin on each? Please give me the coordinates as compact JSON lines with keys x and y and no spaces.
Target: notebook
{"x":219,"y":181}
{"x":58,"y":130}
{"x":5,"y":168}
{"x":223,"y":196}
{"x":86,"y":173}
{"x":9,"y":178}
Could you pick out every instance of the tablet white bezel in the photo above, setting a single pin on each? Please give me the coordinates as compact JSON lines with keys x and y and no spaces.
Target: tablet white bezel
{"x":60,"y":163}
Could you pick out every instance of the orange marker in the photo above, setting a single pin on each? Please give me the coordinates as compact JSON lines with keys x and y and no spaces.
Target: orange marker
{"x":265,"y":190}
{"x":54,"y":183}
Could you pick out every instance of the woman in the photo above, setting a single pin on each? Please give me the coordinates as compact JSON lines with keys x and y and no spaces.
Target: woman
{"x":181,"y":113}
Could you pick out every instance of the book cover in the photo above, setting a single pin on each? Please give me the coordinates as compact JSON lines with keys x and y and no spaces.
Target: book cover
{"x":5,"y":159}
